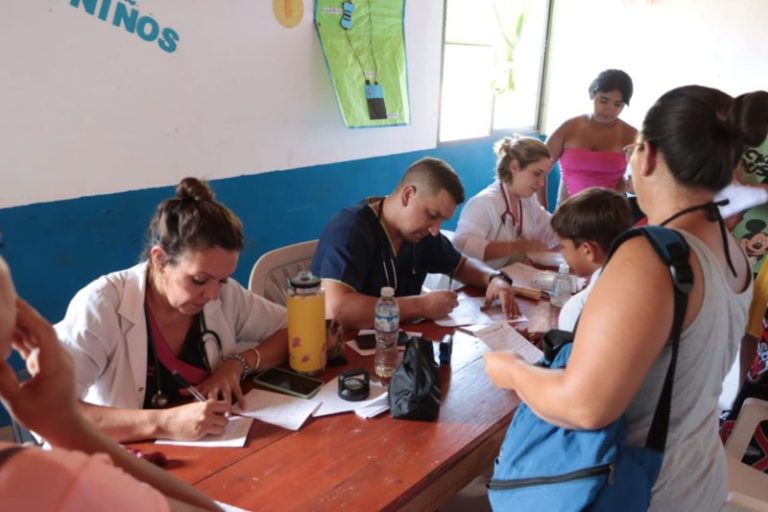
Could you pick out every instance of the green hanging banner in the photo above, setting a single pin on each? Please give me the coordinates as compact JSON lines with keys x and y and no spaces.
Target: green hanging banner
{"x":363,"y":42}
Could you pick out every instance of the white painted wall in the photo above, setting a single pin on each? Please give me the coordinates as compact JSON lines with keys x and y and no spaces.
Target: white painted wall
{"x":87,"y":108}
{"x":661,"y":43}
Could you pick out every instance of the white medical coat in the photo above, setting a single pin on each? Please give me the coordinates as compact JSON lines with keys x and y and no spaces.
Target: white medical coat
{"x":481,"y":222}
{"x":105,"y":331}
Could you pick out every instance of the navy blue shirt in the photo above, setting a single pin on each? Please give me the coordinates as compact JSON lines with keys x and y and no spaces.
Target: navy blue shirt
{"x":355,"y":250}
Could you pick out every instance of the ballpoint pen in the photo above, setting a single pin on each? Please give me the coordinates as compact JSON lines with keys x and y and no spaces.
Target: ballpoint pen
{"x":189,"y":387}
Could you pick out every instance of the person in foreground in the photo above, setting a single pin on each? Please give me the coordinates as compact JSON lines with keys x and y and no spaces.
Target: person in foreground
{"x":586,"y":224}
{"x":505,"y":220}
{"x":589,"y":147}
{"x":690,"y":143}
{"x":176,"y":311}
{"x":85,"y":469}
{"x":395,"y":241}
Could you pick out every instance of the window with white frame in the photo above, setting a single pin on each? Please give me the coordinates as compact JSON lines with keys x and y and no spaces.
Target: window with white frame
{"x":493,"y":59}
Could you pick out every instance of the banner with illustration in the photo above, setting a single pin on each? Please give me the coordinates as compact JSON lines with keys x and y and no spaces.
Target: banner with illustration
{"x":752,"y":231}
{"x":363,"y":43}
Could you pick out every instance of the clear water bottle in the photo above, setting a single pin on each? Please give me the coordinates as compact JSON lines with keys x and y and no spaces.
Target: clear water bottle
{"x":387,"y":325}
{"x":561,"y":286}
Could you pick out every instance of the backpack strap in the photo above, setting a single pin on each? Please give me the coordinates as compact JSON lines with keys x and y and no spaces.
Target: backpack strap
{"x":673,"y":250}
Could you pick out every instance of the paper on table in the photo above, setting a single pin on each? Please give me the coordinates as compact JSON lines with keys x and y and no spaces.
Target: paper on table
{"x":371,"y":351}
{"x":277,"y":408}
{"x":500,"y":336}
{"x":234,"y":436}
{"x":469,"y":312}
{"x":529,"y":277}
{"x":333,"y":403}
{"x":374,"y":407}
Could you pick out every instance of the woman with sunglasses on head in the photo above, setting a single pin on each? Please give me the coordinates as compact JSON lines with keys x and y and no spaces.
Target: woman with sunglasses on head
{"x":505,"y":220}
{"x":589,"y":147}
{"x":690,"y":144}
{"x":177,"y":311}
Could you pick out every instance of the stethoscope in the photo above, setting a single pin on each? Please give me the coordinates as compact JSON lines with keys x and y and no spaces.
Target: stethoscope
{"x":508,"y":212}
{"x":388,"y":256}
{"x":160,"y":399}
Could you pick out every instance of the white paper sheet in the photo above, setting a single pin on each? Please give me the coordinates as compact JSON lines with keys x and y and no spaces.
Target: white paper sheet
{"x":374,"y":407}
{"x":277,"y":408}
{"x":500,"y":336}
{"x":740,"y":197}
{"x":234,"y":436}
{"x":469,"y":312}
{"x":332,"y":403}
{"x":530,"y":277}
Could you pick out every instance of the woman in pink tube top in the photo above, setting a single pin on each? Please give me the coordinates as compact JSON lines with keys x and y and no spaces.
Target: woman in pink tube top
{"x":589,"y":147}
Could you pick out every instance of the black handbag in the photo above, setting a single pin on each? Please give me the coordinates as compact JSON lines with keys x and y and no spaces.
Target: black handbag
{"x":414,"y":391}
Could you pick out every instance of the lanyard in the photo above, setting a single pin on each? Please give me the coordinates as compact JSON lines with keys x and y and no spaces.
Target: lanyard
{"x":518,"y":228}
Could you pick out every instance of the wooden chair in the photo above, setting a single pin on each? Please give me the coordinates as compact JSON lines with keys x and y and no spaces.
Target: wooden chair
{"x":748,"y":487}
{"x":270,"y":273}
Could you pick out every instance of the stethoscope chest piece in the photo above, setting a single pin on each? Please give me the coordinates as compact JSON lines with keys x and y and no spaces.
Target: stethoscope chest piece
{"x":354,"y":385}
{"x":159,"y":399}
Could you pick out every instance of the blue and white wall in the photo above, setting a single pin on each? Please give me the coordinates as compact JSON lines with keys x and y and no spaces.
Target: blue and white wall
{"x":97,"y":123}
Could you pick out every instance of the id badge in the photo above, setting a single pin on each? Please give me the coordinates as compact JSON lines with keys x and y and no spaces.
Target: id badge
{"x":375,"y":97}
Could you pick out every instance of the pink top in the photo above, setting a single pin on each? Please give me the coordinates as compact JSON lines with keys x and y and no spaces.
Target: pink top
{"x":69,"y":481}
{"x":582,"y":169}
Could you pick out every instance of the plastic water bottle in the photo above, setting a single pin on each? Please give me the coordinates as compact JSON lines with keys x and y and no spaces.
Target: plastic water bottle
{"x":561,"y":287}
{"x":387,"y":325}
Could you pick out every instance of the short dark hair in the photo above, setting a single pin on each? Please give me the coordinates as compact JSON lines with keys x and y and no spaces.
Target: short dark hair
{"x":595,"y":214}
{"x":703,"y":132}
{"x":193,"y":220}
{"x":433,"y":175}
{"x":612,"y":80}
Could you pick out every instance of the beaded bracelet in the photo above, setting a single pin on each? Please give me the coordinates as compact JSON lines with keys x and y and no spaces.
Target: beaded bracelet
{"x":247,"y":370}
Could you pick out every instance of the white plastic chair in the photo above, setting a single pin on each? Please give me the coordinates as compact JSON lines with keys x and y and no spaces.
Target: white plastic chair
{"x":748,"y":487}
{"x":270,"y":273}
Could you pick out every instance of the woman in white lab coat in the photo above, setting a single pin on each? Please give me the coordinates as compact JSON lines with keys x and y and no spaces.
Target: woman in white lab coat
{"x":505,"y":220}
{"x":178,"y":311}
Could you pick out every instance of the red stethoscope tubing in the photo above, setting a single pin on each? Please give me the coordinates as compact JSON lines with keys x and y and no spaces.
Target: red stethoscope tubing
{"x":508,"y":211}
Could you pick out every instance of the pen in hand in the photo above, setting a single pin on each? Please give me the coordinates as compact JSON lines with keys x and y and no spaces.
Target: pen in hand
{"x":450,"y":281}
{"x":189,"y":387}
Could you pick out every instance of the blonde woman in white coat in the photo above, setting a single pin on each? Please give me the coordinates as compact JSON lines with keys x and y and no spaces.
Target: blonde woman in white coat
{"x":505,"y":220}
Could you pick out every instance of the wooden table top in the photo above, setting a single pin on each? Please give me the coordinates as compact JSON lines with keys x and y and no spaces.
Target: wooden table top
{"x":346,"y":462}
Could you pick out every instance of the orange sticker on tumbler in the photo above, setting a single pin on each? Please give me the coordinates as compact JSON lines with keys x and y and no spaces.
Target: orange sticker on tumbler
{"x":288,"y":12}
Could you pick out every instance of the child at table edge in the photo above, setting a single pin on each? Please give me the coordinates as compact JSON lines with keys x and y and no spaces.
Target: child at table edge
{"x":586,"y":224}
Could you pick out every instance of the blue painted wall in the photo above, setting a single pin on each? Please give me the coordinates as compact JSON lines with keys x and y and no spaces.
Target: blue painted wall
{"x":55,"y":248}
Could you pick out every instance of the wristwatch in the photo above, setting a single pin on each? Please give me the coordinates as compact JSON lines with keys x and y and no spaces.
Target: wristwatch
{"x":501,"y":274}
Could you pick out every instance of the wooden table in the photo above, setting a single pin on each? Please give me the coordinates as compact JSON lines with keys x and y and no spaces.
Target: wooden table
{"x":344,"y":462}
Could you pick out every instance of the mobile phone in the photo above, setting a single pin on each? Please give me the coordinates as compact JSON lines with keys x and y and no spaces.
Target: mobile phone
{"x":288,"y":382}
{"x":368,"y":341}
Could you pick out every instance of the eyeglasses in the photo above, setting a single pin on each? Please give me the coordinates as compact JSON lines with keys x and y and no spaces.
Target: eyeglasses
{"x":629,"y":150}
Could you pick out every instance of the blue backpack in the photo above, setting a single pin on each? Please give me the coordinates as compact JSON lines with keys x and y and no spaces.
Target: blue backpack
{"x":544,"y":467}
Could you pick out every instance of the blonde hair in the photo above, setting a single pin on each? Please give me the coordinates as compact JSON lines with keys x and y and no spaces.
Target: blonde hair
{"x":524,"y":150}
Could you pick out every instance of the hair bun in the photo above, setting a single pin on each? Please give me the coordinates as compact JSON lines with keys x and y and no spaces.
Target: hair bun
{"x":503,"y":147}
{"x":192,"y":189}
{"x":748,"y":116}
